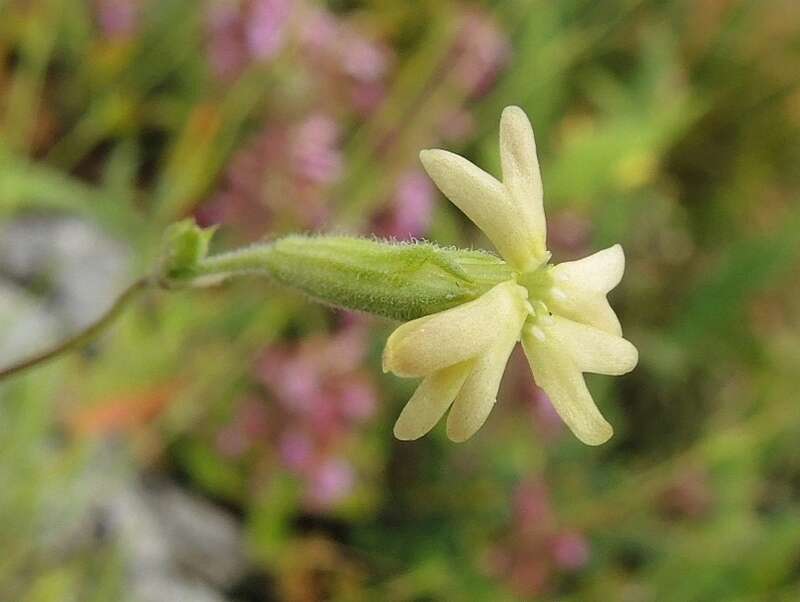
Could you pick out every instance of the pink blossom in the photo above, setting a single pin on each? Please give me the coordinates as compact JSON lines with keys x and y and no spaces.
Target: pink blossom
{"x":346,"y":63}
{"x":282,"y":171}
{"x":365,"y":96}
{"x":532,"y":508}
{"x":410,"y":208}
{"x":358,"y":400}
{"x":568,"y":234}
{"x":331,"y":482}
{"x":457,"y":126}
{"x":363,"y":59}
{"x":482,"y":50}
{"x":239,"y":33}
{"x":314,"y":151}
{"x":227,"y":54}
{"x":570,"y":550}
{"x":253,"y":418}
{"x":266,"y":26}
{"x":118,"y":18}
{"x":322,"y":391}
{"x":296,"y":449}
{"x":535,"y":548}
{"x":297,"y":384}
{"x":318,"y":31}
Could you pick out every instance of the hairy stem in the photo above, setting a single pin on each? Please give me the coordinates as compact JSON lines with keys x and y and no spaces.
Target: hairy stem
{"x":247,"y":260}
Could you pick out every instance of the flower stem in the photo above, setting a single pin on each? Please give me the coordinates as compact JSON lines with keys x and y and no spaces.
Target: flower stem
{"x":247,"y":260}
{"x":82,"y":337}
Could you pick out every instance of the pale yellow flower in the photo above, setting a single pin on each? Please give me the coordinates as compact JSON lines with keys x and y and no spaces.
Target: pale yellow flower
{"x":560,"y":313}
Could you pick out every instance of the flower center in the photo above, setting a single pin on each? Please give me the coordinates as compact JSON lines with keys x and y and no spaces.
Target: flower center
{"x":541,"y":288}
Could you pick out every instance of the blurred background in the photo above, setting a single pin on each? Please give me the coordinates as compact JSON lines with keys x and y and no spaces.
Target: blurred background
{"x":235,"y":443}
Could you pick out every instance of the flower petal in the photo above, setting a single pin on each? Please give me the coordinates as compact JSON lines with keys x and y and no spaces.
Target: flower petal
{"x":584,"y":306}
{"x":487,"y":203}
{"x":428,"y":344}
{"x":599,"y":272}
{"x":593,"y":350}
{"x":521,"y":175}
{"x":556,"y":373}
{"x":430,"y":401}
{"x":479,"y":393}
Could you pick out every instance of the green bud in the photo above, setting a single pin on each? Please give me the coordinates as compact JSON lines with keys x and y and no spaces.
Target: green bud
{"x":395,"y":280}
{"x":185,"y":246}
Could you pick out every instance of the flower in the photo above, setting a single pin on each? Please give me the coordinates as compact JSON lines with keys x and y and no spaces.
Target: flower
{"x":559,"y":312}
{"x":536,"y":546}
{"x":240,"y":33}
{"x":410,"y":209}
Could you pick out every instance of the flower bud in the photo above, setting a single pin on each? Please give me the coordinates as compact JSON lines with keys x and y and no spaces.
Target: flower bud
{"x":185,"y":246}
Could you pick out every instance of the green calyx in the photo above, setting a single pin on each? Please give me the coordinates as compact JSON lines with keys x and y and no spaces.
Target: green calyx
{"x":400,"y":281}
{"x":185,"y":245}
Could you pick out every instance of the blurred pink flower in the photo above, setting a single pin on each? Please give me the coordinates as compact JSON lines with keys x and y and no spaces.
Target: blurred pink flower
{"x":569,"y":234}
{"x":322,"y":392}
{"x":482,"y":50}
{"x":279,"y":177}
{"x":410,"y":208}
{"x":242,"y":32}
{"x":535,"y":549}
{"x":358,"y":400}
{"x":363,"y":59}
{"x":314,"y":151}
{"x":531,"y":507}
{"x":570,"y":550}
{"x":118,"y":18}
{"x":331,"y":482}
{"x":345,"y":62}
{"x":365,"y":96}
{"x":457,"y":126}
{"x":296,"y":450}
{"x":226,"y":52}
{"x":318,"y":31}
{"x":265,"y":27}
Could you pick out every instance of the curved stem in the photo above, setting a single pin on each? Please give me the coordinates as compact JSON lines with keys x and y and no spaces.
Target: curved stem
{"x":248,"y":259}
{"x":81,"y":337}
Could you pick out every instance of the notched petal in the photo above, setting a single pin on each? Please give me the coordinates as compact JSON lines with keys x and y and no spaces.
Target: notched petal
{"x":584,"y":306}
{"x":430,"y":401}
{"x":521,"y":174}
{"x":488,"y":204}
{"x":478,"y":395}
{"x":471,"y":189}
{"x":593,"y":350}
{"x":555,"y":372}
{"x":599,"y":272}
